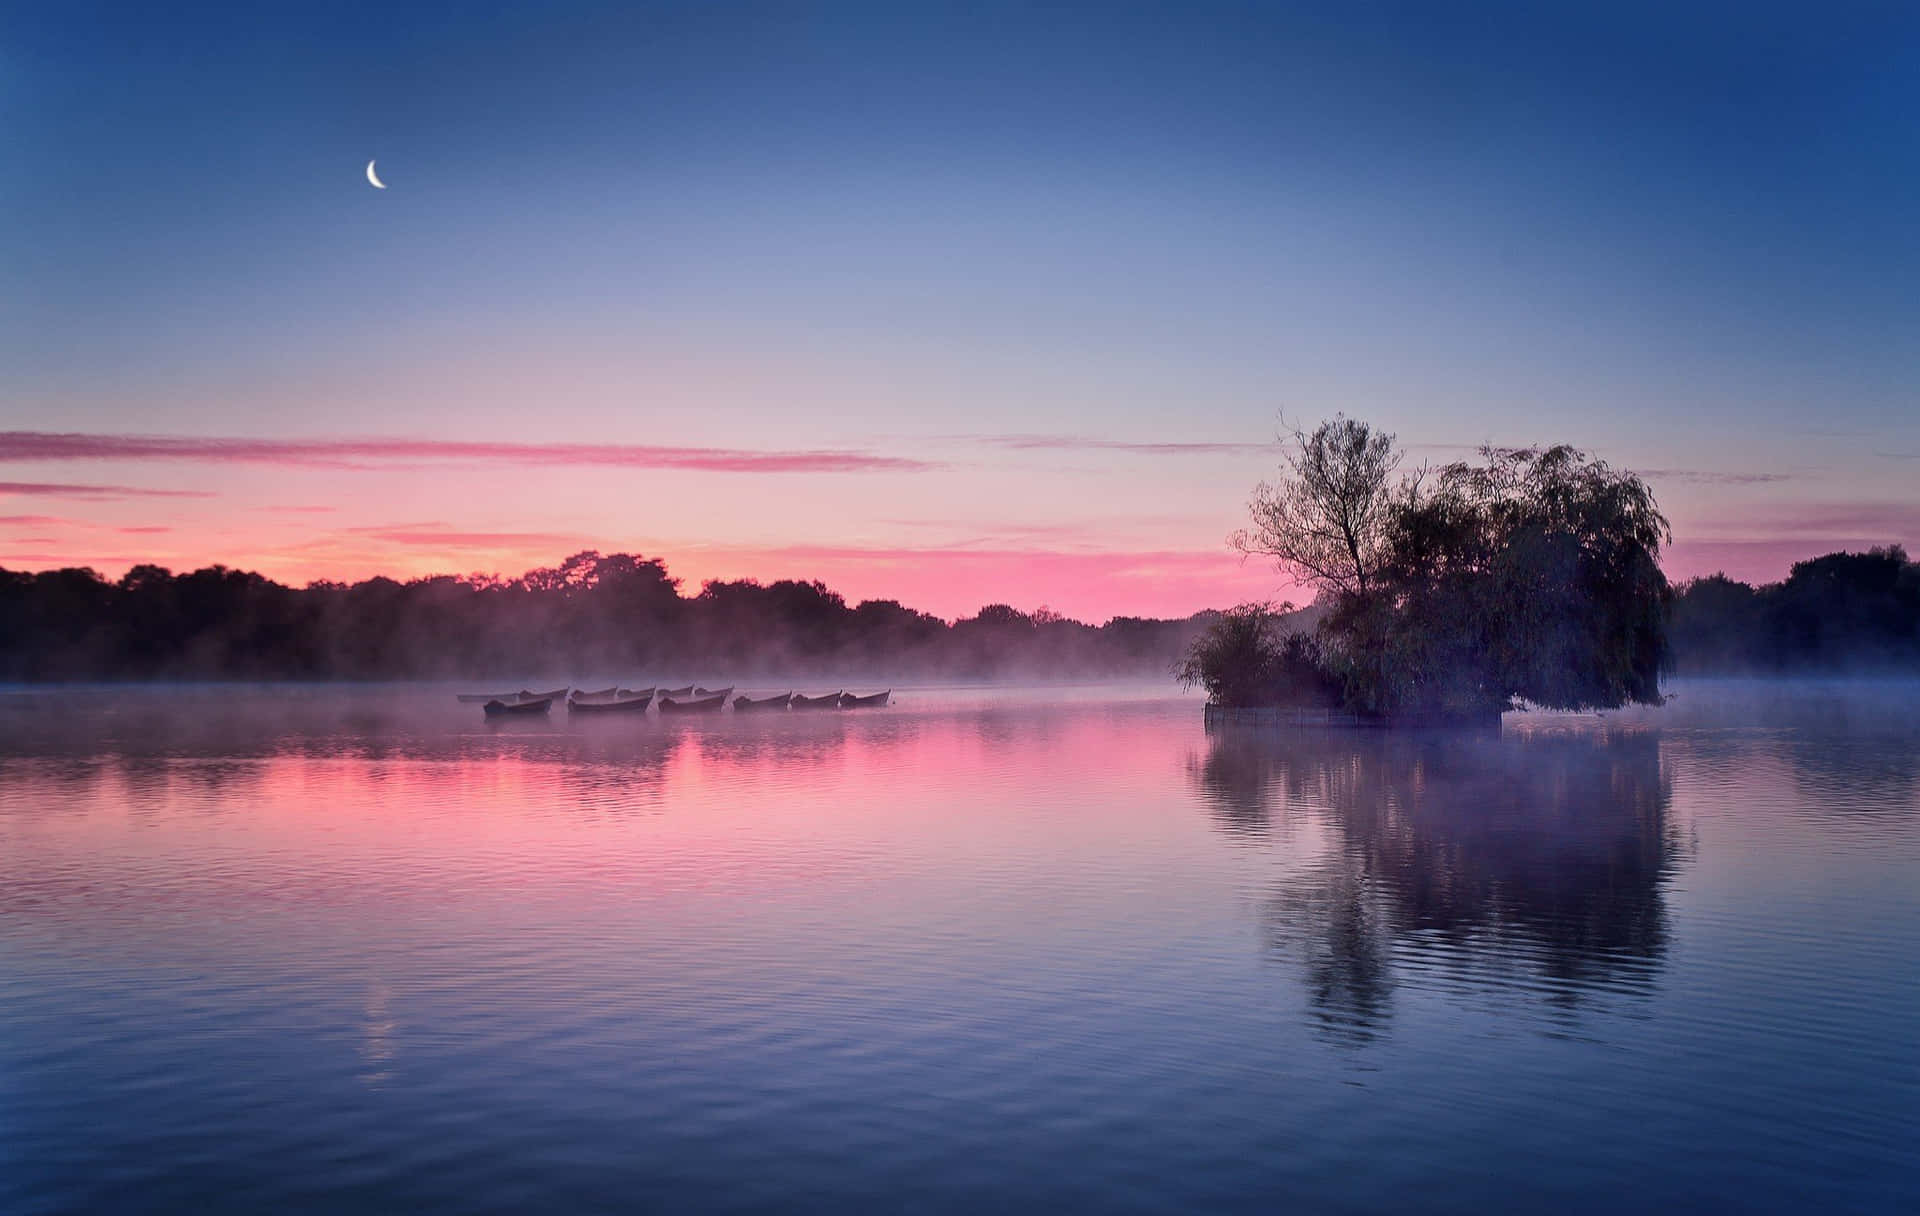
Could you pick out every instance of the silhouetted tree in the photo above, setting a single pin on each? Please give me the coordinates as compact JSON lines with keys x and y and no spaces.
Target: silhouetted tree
{"x":1842,"y":611}
{"x":1247,"y":656}
{"x":592,"y":614}
{"x":1328,"y":520}
{"x":1533,"y":575}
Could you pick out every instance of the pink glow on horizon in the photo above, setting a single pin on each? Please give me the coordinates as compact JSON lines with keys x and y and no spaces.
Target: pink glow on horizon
{"x":948,"y":580}
{"x":1088,"y":526}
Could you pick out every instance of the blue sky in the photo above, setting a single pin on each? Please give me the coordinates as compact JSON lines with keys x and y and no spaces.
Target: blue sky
{"x":1682,"y":239}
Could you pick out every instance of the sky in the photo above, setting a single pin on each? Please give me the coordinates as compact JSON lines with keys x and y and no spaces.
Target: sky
{"x":944,"y":303}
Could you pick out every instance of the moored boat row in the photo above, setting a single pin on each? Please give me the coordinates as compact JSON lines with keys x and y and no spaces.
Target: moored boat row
{"x":611,"y":701}
{"x":689,"y":699}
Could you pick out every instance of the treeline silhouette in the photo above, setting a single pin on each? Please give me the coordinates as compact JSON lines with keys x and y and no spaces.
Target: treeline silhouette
{"x":592,"y":615}
{"x":618,"y":613}
{"x":1848,"y":612}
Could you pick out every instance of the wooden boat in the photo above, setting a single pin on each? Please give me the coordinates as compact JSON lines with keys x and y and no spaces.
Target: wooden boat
{"x":537,"y":705}
{"x":706,"y":705}
{"x":605,"y":695}
{"x":714,"y":692}
{"x":510,"y":698}
{"x":620,"y":705}
{"x":743,"y":705}
{"x":830,"y":701}
{"x":677,"y":692}
{"x":849,"y":701}
{"x":582,"y":694}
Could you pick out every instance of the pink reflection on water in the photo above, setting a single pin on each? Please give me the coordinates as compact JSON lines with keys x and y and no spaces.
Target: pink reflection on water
{"x":444,"y":811}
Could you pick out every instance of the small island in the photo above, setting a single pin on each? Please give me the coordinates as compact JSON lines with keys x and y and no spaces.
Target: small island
{"x":1443,"y":596}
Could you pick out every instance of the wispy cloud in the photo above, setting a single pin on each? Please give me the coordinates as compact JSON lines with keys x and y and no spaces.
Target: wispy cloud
{"x":93,"y":493}
{"x":369,"y":453}
{"x":1087,"y":443}
{"x":445,"y":536}
{"x":1707,"y":477}
{"x":50,"y":560}
{"x":29,"y":521}
{"x":1849,"y":522}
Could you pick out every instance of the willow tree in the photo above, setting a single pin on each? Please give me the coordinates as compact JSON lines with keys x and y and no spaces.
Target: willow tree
{"x":1531,"y":576}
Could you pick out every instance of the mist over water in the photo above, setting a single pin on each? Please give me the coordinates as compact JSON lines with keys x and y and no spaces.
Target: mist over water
{"x":318,"y":948}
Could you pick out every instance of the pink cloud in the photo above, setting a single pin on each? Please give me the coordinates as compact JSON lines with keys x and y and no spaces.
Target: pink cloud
{"x":62,"y":561}
{"x":1858,"y":522}
{"x":371,"y":453}
{"x":437,"y":536}
{"x":93,"y":492}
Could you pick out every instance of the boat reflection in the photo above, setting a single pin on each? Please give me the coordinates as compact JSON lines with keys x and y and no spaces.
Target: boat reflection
{"x":1524,"y":869}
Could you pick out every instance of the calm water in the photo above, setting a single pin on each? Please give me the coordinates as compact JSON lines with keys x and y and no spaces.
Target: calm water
{"x":297,"y":949}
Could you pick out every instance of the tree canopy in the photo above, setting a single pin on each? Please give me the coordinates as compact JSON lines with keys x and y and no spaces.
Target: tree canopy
{"x":1531,"y":575}
{"x":1854,"y":612}
{"x":1328,"y":520}
{"x":592,"y":614}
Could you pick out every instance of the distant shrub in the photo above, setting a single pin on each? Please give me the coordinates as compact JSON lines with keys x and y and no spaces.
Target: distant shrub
{"x":1243,"y":658}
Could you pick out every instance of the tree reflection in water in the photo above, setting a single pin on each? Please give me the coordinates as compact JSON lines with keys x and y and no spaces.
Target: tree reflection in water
{"x":1521,"y":867}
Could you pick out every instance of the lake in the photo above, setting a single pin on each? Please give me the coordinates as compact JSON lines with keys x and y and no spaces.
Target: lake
{"x":357,"y":949}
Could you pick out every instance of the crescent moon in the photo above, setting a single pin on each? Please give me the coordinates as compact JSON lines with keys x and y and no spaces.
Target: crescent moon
{"x":374,"y":178}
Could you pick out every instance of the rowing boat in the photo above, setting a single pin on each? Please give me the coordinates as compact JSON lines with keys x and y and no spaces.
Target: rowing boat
{"x":509,"y":698}
{"x":849,"y":701}
{"x":538,"y":705}
{"x":706,"y":705}
{"x":636,"y":704}
{"x":742,"y":705}
{"x":830,"y":701}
